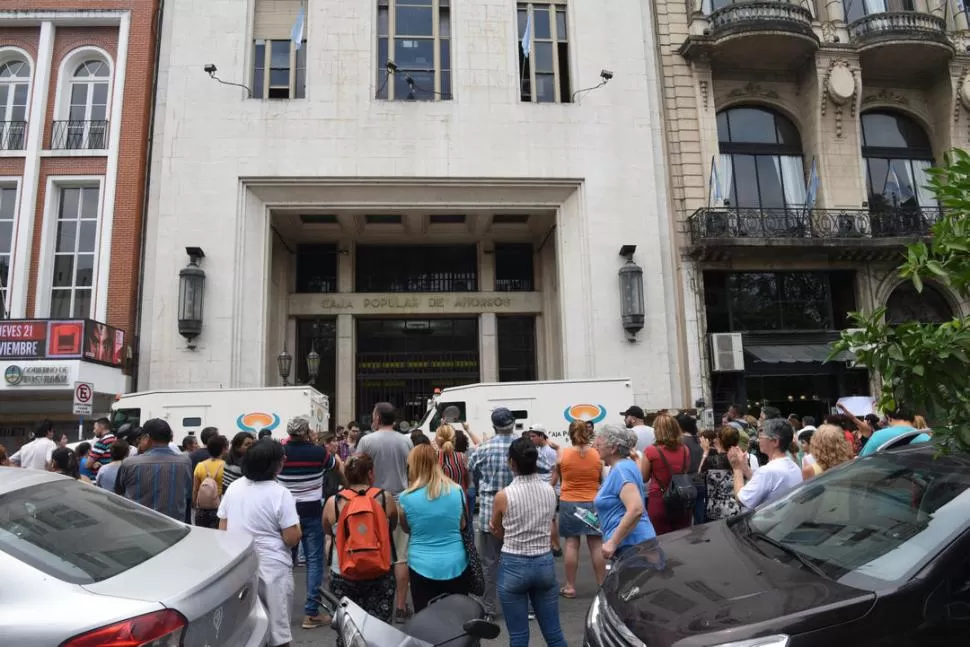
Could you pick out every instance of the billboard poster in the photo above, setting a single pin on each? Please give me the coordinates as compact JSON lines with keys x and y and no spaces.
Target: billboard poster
{"x":62,"y":339}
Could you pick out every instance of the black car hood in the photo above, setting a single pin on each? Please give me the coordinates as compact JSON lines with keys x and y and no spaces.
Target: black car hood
{"x":705,"y":586}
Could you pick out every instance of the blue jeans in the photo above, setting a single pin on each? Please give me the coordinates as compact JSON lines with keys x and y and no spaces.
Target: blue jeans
{"x":312,"y":544}
{"x":522,"y":580}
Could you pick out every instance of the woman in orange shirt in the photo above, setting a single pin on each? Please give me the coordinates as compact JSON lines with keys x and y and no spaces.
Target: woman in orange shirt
{"x":580,"y":471}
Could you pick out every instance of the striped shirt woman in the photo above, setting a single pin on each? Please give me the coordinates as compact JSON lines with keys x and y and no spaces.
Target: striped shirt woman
{"x":452,"y":462}
{"x":521,"y":519}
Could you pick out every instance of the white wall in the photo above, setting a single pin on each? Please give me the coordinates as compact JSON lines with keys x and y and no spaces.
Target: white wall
{"x":209,"y":136}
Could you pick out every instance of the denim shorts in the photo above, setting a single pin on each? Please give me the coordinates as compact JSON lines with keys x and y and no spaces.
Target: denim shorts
{"x":569,"y":525}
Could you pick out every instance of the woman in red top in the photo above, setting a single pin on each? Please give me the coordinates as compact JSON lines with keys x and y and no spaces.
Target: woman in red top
{"x":669,"y":443}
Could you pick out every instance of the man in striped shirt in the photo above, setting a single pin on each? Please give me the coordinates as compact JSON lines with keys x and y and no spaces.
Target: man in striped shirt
{"x":100,"y":454}
{"x":303,"y":475}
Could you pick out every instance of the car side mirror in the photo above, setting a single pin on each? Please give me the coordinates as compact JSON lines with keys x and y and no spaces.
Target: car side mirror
{"x":482,"y":629}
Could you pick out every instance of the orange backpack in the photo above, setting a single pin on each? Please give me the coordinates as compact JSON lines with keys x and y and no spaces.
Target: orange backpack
{"x":364,"y":543}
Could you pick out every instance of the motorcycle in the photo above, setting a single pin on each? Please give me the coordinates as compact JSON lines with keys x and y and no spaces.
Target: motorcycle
{"x":449,"y":621}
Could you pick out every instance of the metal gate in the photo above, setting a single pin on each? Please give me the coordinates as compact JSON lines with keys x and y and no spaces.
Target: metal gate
{"x":402,"y":361}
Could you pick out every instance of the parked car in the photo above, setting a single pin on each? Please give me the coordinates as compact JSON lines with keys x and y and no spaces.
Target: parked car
{"x":84,"y":567}
{"x":874,"y":552}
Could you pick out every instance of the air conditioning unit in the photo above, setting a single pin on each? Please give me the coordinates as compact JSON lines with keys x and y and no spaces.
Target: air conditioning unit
{"x":727,"y":352}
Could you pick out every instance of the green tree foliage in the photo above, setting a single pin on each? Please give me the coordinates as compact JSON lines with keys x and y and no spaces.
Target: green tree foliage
{"x":927,"y":366}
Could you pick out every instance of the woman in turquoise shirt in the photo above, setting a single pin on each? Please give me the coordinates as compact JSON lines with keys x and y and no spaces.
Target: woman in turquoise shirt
{"x":619,"y":503}
{"x":433,"y":508}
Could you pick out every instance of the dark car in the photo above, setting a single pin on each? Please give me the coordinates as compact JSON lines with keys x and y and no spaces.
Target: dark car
{"x":873,"y":553}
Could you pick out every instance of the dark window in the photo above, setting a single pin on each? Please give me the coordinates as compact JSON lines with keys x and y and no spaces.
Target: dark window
{"x":906,"y":305}
{"x":544,"y":70}
{"x":764,"y":301}
{"x":760,"y":165}
{"x":447,"y":219}
{"x":318,"y":219}
{"x":319,"y":335}
{"x":516,"y":349}
{"x":410,"y":33}
{"x":514,"y":267}
{"x":316,"y":268}
{"x":383,"y":219}
{"x":510,"y":219}
{"x":897,"y":155}
{"x":60,"y":528}
{"x":191,"y":422}
{"x":417,"y":268}
{"x":855,"y":9}
{"x":279,"y":70}
{"x":126,"y":416}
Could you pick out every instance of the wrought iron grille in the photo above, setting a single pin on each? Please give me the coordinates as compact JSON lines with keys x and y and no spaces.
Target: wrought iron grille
{"x":901,"y":222}
{"x":79,"y":135}
{"x":13,"y":135}
{"x":417,"y":268}
{"x":762,"y":13}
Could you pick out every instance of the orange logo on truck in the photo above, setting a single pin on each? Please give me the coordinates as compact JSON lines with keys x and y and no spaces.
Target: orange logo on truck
{"x":257,"y":420}
{"x":585,"y":412}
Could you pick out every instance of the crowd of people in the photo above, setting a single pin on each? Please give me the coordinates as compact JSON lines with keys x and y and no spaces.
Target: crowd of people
{"x":388,"y":519}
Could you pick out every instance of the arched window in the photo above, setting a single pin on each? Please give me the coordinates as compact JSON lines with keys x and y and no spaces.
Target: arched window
{"x":14,"y":86}
{"x":760,"y":165}
{"x":896,"y":154}
{"x":87,"y":125}
{"x":855,"y":9}
{"x":906,"y":305}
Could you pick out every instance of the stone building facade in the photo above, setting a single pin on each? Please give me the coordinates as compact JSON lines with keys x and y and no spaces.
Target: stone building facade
{"x":424,"y":193}
{"x":869,"y":95}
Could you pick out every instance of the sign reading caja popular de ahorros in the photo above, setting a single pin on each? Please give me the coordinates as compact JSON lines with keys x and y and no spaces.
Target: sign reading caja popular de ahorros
{"x":458,"y":303}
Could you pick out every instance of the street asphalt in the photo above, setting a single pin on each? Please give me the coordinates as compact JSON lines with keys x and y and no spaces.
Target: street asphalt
{"x":572,"y":613}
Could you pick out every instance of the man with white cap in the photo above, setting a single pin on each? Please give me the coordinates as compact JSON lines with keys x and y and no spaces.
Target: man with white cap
{"x":540,"y":438}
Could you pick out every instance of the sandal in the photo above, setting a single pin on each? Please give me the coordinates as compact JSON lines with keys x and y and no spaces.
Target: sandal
{"x":569,"y":595}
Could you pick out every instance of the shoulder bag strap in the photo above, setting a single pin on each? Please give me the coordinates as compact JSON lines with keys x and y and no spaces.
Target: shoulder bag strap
{"x":667,"y":463}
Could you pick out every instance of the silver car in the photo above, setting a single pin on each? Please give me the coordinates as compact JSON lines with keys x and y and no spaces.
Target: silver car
{"x":84,"y":567}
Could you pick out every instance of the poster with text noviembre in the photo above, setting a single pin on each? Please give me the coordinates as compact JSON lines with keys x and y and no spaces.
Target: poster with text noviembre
{"x":27,"y":339}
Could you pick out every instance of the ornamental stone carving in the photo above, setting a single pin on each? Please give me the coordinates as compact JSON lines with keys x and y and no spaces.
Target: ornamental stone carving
{"x":839,"y":87}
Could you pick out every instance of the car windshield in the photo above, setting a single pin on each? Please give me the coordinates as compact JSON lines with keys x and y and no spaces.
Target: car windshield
{"x":80,"y":533}
{"x":876,"y":521}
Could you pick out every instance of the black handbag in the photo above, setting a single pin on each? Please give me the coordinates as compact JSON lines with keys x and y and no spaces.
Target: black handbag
{"x":476,"y":574}
{"x":680,"y":495}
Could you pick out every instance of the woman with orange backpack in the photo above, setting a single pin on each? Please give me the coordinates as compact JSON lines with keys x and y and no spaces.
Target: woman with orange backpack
{"x":361,"y":562}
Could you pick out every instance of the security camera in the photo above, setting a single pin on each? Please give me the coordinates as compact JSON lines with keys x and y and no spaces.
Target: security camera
{"x":606,"y":75}
{"x":210,"y":69}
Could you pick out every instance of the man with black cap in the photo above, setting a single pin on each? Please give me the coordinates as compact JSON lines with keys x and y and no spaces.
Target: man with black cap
{"x":635,"y":420}
{"x":159,"y":478}
{"x":489,"y":469}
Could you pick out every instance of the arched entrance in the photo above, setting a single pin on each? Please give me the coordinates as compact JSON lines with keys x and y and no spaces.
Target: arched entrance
{"x":906,"y":305}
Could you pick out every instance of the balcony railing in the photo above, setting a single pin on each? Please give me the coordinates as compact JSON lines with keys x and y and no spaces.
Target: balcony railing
{"x":761,"y":15}
{"x":725,"y":224}
{"x":898,"y":23}
{"x":79,"y":135}
{"x":13,"y":135}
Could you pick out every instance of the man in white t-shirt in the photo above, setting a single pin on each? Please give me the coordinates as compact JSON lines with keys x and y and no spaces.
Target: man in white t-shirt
{"x":775,"y":479}
{"x":265,"y":510}
{"x":635,"y":419}
{"x":36,"y":455}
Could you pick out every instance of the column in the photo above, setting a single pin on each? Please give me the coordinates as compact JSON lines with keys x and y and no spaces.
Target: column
{"x":835,"y":10}
{"x":488,"y":348}
{"x":345,"y":268}
{"x":19,"y":274}
{"x":346,"y":373}
{"x":486,"y":267}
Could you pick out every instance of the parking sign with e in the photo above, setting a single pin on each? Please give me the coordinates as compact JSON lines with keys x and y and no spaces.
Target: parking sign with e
{"x":83,"y":399}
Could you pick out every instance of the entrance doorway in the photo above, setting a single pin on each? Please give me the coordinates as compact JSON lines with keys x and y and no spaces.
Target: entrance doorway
{"x":402,"y":361}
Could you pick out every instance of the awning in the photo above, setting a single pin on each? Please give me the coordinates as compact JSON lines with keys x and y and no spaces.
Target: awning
{"x":796,"y":353}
